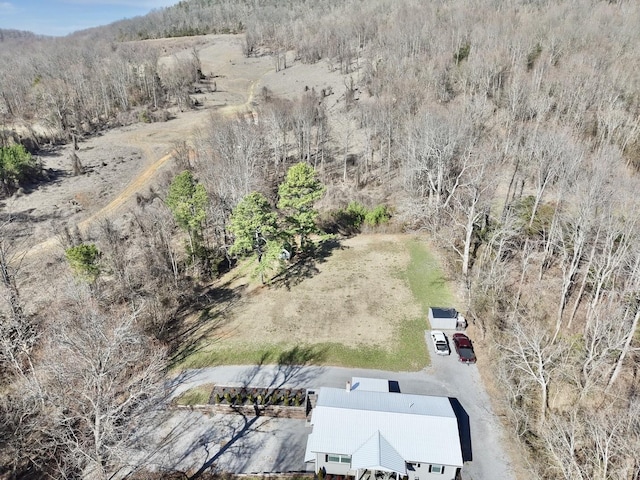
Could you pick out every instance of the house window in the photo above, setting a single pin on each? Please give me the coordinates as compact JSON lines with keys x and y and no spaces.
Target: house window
{"x":333,"y":458}
{"x":436,"y":468}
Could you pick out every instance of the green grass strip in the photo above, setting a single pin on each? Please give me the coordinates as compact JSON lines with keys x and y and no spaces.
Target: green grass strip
{"x":427,"y":283}
{"x":196,"y":396}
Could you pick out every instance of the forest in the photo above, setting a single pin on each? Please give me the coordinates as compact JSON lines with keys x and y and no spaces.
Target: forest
{"x":506,"y":131}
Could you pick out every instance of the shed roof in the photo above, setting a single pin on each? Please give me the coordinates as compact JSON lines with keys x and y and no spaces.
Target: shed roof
{"x":419,"y":428}
{"x":440,"y":312}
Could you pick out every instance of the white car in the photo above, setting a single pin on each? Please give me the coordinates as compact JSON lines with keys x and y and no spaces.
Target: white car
{"x":440,"y":342}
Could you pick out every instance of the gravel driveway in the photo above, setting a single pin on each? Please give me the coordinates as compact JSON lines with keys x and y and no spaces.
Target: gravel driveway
{"x":191,"y":441}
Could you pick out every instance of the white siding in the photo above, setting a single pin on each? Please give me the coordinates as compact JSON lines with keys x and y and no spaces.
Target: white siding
{"x":332,"y":467}
{"x":422,"y":473}
{"x":448,"y":322}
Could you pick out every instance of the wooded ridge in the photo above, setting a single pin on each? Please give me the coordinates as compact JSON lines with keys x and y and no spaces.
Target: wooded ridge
{"x":507,"y":131}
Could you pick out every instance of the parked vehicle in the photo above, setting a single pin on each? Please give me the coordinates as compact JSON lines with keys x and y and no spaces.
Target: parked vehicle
{"x":464,"y":348}
{"x":440,"y":343}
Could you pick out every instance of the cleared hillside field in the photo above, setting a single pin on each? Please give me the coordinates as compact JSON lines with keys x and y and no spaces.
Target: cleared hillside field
{"x":362,"y":305}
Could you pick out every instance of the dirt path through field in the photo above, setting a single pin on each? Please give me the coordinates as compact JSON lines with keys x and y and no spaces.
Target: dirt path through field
{"x":147,"y":175}
{"x":138,"y":183}
{"x":124,"y":161}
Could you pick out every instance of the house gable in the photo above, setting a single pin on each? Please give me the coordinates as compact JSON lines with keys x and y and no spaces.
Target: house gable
{"x":419,"y":428}
{"x":378,"y":454}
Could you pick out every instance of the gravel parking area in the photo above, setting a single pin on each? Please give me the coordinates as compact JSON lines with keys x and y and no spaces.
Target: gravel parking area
{"x":189,"y":441}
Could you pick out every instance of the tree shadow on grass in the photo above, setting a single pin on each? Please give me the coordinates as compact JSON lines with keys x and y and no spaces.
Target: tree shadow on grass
{"x":187,"y":337}
{"x":302,"y":355}
{"x":291,"y":364}
{"x":305,"y":265}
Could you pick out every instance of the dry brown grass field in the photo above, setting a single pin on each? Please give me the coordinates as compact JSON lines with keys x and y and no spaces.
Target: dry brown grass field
{"x":361,"y":304}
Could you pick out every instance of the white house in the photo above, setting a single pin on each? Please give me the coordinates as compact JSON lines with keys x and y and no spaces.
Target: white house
{"x":368,"y":432}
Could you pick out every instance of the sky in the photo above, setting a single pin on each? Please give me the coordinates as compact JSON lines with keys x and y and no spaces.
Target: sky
{"x":61,"y":17}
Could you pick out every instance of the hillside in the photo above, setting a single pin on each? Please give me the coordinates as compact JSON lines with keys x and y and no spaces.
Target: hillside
{"x":506,"y":136}
{"x":9,"y":35}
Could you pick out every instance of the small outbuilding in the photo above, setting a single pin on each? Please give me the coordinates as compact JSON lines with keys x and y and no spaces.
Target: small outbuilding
{"x":446,"y":319}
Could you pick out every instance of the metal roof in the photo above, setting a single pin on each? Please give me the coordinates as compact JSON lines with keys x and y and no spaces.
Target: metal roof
{"x":370,"y":384}
{"x":385,"y":402}
{"x":440,"y":312}
{"x":378,"y":454}
{"x":419,"y":428}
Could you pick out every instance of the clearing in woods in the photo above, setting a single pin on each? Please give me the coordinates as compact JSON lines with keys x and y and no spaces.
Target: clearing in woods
{"x":362,"y":305}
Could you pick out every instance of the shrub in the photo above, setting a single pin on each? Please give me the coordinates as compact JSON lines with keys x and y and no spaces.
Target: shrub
{"x":377,"y":216}
{"x":533,"y":56}
{"x":16,"y":167}
{"x":338,"y":221}
{"x":84,"y":260}
{"x":541,"y":221}
{"x":144,"y":117}
{"x":462,"y":53}
{"x":349,"y":220}
{"x":356,"y":213}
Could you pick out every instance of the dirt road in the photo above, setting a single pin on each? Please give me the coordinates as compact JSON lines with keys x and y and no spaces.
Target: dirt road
{"x":125,"y":161}
{"x":145,"y":178}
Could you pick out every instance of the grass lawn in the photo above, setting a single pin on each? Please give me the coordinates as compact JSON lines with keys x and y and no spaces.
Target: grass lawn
{"x":420,"y":275}
{"x":196,"y":396}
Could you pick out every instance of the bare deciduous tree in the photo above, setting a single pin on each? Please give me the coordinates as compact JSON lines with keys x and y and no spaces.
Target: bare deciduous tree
{"x":230,"y":157}
{"x":532,"y":352}
{"x":18,"y":333}
{"x":101,"y":374}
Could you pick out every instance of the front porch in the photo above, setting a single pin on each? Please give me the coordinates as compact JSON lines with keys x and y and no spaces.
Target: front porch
{"x":365,"y":474}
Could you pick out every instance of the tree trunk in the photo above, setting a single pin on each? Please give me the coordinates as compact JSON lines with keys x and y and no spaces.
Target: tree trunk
{"x":625,"y":350}
{"x":468,"y":237}
{"x":585,"y":277}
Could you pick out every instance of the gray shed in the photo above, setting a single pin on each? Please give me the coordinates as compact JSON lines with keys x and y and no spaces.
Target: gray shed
{"x":445,"y":319}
